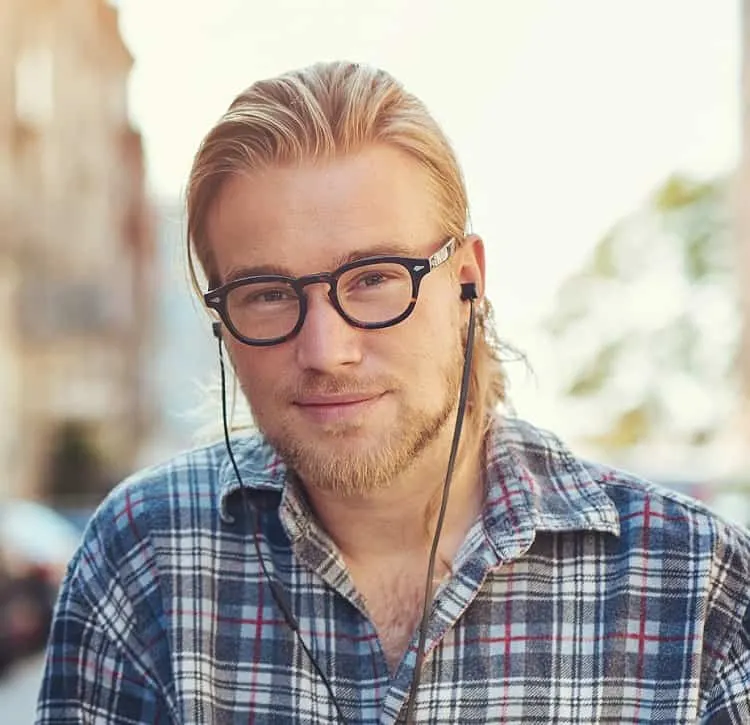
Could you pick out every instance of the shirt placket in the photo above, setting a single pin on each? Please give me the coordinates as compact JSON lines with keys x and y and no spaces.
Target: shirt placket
{"x":315,"y":555}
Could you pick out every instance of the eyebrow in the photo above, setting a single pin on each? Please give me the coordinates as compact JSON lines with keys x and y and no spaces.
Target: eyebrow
{"x":377,"y":250}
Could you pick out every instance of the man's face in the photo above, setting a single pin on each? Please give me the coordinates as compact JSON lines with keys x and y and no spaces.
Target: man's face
{"x":348,"y":409}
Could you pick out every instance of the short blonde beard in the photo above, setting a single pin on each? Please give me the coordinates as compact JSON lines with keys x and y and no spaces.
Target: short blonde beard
{"x":373,"y":470}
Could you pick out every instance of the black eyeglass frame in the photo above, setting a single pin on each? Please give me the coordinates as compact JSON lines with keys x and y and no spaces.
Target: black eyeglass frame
{"x":418,"y":268}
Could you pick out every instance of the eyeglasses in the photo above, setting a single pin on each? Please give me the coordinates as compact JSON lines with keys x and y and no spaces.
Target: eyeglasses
{"x":370,"y":293}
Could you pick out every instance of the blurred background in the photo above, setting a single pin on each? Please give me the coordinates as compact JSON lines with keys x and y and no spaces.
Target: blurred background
{"x":605,"y":147}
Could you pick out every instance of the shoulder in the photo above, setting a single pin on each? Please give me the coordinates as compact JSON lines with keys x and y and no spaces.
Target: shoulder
{"x":649,"y":509}
{"x":668,"y":549}
{"x":153,"y":515}
{"x":162,"y":496}
{"x":654,"y":523}
{"x":686,"y":549}
{"x":642,"y":505}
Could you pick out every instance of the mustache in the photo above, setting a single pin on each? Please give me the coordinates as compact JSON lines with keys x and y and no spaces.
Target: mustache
{"x":313,"y":383}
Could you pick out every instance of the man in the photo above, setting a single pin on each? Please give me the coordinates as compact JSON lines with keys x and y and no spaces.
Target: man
{"x":283,"y":577}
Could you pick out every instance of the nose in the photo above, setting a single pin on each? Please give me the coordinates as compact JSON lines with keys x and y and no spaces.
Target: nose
{"x":326,"y":341}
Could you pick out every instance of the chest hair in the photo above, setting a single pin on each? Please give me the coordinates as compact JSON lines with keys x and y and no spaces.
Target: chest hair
{"x":394,"y":603}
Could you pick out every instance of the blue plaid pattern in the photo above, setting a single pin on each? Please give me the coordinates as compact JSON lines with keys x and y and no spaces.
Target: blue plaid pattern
{"x":581,"y":595}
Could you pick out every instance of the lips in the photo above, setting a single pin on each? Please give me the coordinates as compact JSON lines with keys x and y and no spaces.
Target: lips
{"x":338,"y":408}
{"x":333,"y":400}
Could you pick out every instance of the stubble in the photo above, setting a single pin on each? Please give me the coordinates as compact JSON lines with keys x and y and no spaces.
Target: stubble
{"x":338,"y":467}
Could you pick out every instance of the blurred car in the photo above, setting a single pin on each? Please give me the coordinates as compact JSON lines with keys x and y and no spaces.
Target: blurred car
{"x":36,"y":544}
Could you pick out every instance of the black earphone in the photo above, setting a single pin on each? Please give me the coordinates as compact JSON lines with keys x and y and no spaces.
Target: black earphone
{"x":468,"y":293}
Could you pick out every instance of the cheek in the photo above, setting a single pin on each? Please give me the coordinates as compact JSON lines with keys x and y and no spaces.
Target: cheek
{"x":256,"y":369}
{"x":429,"y":337}
{"x":437,"y":320}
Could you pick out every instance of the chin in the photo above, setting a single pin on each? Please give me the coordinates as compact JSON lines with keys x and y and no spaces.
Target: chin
{"x":355,"y":454}
{"x":345,"y":439}
{"x":342,"y":459}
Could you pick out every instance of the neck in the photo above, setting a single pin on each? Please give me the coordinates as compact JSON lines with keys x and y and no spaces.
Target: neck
{"x":400,"y":520}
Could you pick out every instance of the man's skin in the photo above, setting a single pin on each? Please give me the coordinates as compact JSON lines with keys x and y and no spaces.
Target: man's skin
{"x":367,"y":416}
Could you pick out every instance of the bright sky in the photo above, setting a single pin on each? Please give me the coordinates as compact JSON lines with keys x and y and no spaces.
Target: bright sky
{"x":564,"y":114}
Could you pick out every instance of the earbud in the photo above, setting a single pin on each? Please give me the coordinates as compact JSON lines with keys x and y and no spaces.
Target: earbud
{"x":468,"y":291}
{"x":216,"y":327}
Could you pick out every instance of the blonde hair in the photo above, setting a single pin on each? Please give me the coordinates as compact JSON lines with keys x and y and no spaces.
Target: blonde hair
{"x":326,"y":110}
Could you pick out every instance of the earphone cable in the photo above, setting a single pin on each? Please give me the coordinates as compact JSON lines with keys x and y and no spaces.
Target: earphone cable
{"x":428,"y":594}
{"x":276,"y":590}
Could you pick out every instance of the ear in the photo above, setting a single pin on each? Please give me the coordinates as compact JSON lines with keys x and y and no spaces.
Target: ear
{"x":471,"y":263}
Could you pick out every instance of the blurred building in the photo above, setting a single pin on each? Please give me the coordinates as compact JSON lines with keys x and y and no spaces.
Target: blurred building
{"x":75,"y":251}
{"x":184,"y":365}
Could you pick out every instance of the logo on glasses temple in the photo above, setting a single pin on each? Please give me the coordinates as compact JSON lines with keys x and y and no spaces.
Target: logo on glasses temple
{"x":442,"y":254}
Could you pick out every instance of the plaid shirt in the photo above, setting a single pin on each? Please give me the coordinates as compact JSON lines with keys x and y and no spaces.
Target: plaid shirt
{"x":581,"y":595}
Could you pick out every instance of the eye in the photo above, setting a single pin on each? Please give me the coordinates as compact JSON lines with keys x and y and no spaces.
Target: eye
{"x":262,"y":296}
{"x":371,"y":279}
{"x":375,"y":281}
{"x":271,"y":295}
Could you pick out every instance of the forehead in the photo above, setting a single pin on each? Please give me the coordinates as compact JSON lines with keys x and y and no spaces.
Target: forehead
{"x":303,"y":218}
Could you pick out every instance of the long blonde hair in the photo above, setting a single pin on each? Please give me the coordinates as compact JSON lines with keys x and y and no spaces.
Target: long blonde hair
{"x":326,"y":110}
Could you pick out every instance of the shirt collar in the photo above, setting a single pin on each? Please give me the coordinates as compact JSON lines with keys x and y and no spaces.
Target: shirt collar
{"x":262,"y":474}
{"x":534,"y":483}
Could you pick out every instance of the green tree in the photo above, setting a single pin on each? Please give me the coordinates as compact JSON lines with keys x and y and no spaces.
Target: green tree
{"x":648,"y":329}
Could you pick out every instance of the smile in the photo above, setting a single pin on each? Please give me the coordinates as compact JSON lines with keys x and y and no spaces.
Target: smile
{"x":336,"y":408}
